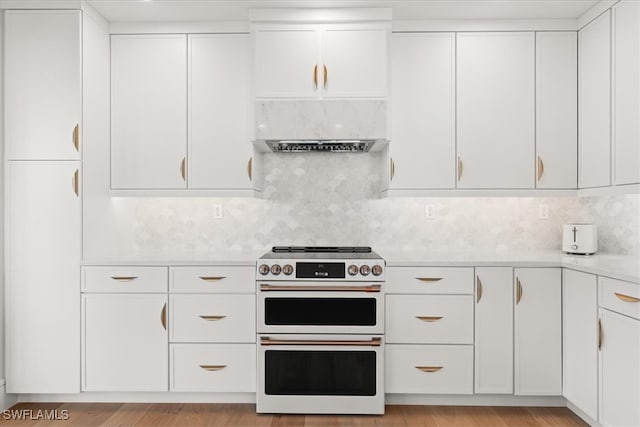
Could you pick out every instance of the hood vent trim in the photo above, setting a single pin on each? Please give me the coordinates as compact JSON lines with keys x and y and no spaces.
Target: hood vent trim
{"x":325,"y":146}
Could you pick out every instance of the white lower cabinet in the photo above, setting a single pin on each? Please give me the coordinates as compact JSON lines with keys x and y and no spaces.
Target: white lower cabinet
{"x":125,"y":343}
{"x":538,"y":331}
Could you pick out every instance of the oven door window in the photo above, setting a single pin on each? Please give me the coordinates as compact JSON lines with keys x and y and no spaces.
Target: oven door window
{"x":320,"y":373}
{"x":320,"y":311}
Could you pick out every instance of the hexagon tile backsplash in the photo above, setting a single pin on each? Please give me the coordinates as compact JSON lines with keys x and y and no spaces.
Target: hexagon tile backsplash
{"x":330,"y":199}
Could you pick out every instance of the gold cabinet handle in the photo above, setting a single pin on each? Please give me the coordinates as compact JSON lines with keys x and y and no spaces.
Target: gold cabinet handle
{"x":124,"y":278}
{"x":429,"y":279}
{"x":518,"y":290}
{"x":163,"y":316}
{"x":429,"y":368}
{"x":429,"y":318}
{"x":626,"y":298}
{"x":76,"y":137}
{"x":325,"y":76}
{"x":392,"y":169}
{"x":75,"y":182}
{"x":212,"y":278}
{"x":478,"y":289}
{"x":600,"y":334}
{"x":250,"y":168}
{"x":460,"y":168}
{"x":183,"y":168}
{"x":315,"y":76}
{"x":212,"y":368}
{"x":211,"y":318}
{"x":540,"y":168}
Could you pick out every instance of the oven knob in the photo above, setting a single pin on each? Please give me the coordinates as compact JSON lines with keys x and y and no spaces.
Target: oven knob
{"x":353,"y":270}
{"x":275,"y":269}
{"x":364,"y":270}
{"x":376,"y":270}
{"x":264,"y":269}
{"x":287,"y":269}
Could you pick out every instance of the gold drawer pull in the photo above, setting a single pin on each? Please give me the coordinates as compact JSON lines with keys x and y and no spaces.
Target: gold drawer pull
{"x":429,"y":279}
{"x":212,"y":278}
{"x":429,"y":318}
{"x":460,"y":169}
{"x":76,"y":137}
{"x":429,"y":368}
{"x":326,"y":76}
{"x":212,"y":318}
{"x":518,"y":290}
{"x":626,"y":298}
{"x":124,"y":278}
{"x":315,"y":76}
{"x":183,"y":169}
{"x":75,"y":183}
{"x":540,"y":168}
{"x":212,"y":368}
{"x":600,"y":334}
{"x":250,"y":168}
{"x":478,"y":289}
{"x":163,"y":316}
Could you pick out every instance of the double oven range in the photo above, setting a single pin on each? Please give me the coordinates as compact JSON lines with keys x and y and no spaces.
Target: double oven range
{"x":320,"y":327}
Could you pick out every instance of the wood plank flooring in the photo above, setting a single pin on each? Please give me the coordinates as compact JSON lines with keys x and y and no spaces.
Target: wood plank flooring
{"x":243,"y":415}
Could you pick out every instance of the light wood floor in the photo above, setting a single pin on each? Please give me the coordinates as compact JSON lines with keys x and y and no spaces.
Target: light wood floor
{"x":243,"y":415}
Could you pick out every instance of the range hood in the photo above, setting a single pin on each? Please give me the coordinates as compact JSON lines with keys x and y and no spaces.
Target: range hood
{"x":338,"y":126}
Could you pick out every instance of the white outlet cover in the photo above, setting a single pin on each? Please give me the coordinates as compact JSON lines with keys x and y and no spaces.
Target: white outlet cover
{"x":543,"y":211}
{"x":430,"y":211}
{"x":218,"y":211}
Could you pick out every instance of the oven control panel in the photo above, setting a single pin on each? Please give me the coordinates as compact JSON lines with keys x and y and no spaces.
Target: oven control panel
{"x":347,"y":270}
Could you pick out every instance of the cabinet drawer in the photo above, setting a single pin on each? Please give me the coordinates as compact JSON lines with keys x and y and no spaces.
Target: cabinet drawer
{"x":429,"y":319}
{"x":212,"y":318}
{"x":429,"y":280}
{"x":433,"y":369}
{"x":204,"y":280}
{"x":213,"y":367}
{"x":124,"y":279}
{"x":619,"y":296}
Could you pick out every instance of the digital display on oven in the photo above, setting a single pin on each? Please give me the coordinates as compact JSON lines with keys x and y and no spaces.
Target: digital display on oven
{"x":320,"y":270}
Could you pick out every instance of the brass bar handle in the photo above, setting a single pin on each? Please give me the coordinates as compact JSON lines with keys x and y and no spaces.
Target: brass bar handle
{"x":392,"y":169}
{"x":250,"y":168}
{"x":163,"y":316}
{"x":124,"y":278}
{"x":540,"y":168}
{"x":75,"y":183}
{"x":211,"y":318}
{"x":429,"y":279}
{"x":600,"y":334}
{"x":429,"y":318}
{"x":212,"y":368}
{"x":320,"y":288}
{"x":315,"y":76}
{"x":626,"y":298}
{"x":373,"y":342}
{"x":478,"y":289}
{"x":460,"y":168}
{"x":183,"y":169}
{"x":76,"y":137}
{"x":326,"y":76}
{"x":212,"y":278}
{"x":429,"y":368}
{"x":518,"y":290}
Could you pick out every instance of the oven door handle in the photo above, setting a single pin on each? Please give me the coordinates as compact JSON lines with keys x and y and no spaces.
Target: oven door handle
{"x":319,"y":288}
{"x":373,"y":342}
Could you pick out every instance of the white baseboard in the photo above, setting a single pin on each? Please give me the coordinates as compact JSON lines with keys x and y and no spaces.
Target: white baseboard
{"x":586,"y":418}
{"x":474,"y":400}
{"x":6,"y":400}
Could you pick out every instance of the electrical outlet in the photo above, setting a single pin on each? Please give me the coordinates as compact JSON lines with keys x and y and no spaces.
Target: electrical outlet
{"x":543,"y":211}
{"x":430,"y":211}
{"x":218,"y":211}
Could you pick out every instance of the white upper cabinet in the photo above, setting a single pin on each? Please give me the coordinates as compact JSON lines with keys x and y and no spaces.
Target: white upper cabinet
{"x":423,"y":111}
{"x":310,"y":61}
{"x":556,"y":110}
{"x":219,"y":91}
{"x":594,"y":80}
{"x":626,"y":92}
{"x":148,"y":111}
{"x":42,"y":84}
{"x":495,"y":110}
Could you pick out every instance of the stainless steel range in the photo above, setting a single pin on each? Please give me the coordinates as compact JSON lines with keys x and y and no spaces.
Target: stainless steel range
{"x":320,"y":330}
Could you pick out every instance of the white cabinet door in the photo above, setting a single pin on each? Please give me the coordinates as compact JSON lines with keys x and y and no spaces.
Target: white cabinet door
{"x":148,"y":111}
{"x":42,"y":277}
{"x":354,"y":63}
{"x":125,"y":345}
{"x":626,"y":92}
{"x":219,"y":145}
{"x":538,"y":331}
{"x":495,"y":110}
{"x":619,"y":370}
{"x":594,"y":103}
{"x":556,"y":109}
{"x":286,"y":63}
{"x":42,"y":84}
{"x":423,"y":110}
{"x":494,"y":330}
{"x":580,"y":340}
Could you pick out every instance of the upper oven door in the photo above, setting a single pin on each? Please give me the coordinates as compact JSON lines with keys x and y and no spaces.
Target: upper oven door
{"x":303,"y":307}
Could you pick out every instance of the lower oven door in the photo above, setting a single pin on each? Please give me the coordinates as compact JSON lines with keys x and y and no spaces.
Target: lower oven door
{"x":310,"y":308}
{"x":320,"y":374}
